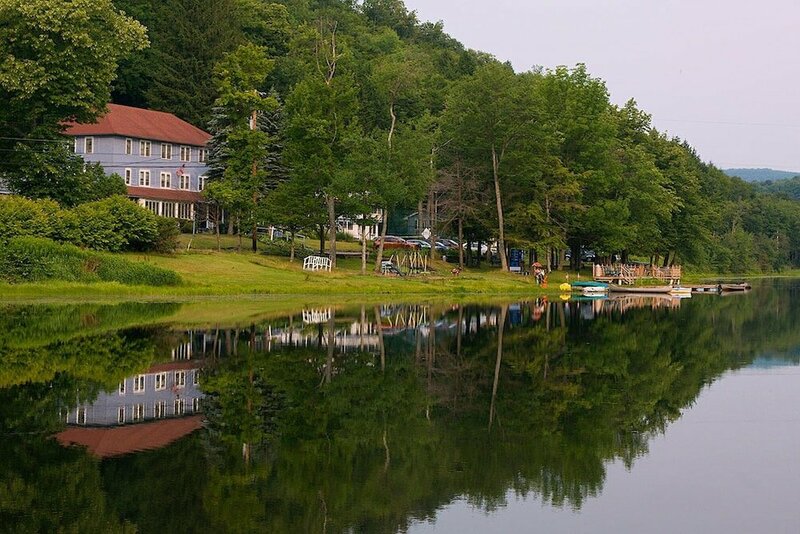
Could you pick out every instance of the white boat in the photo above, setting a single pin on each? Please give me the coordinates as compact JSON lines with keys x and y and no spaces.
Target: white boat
{"x":594,"y":290}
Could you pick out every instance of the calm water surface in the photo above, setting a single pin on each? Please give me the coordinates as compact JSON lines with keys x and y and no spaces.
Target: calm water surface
{"x":630,"y":415}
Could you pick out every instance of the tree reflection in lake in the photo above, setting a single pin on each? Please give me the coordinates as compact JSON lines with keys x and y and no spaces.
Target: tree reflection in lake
{"x":367,"y":418}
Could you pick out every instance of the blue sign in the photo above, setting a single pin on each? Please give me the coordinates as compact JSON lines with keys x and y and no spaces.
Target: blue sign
{"x":515,"y":260}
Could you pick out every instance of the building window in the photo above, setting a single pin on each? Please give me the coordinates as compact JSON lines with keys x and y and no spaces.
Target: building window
{"x":144,"y":178}
{"x":186,"y":181}
{"x":196,"y":404}
{"x":121,"y":414}
{"x":180,"y":406}
{"x":138,"y":383}
{"x":168,"y":209}
{"x":144,"y":148}
{"x":186,"y":153}
{"x":201,"y":183}
{"x":122,"y":388}
{"x":160,"y":409}
{"x":166,"y":180}
{"x":75,"y":145}
{"x":128,"y":147}
{"x":166,"y":151}
{"x":128,"y":176}
{"x":180,"y":379}
{"x":196,"y":377}
{"x":185,"y":211}
{"x":151,"y":205}
{"x":138,"y":412}
{"x":80,"y":416}
{"x":161,"y":381}
{"x":88,"y":145}
{"x":201,"y":155}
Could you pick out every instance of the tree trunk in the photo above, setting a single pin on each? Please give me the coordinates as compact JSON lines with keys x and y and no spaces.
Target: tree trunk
{"x":460,"y":243}
{"x":291,"y":249}
{"x":501,"y":325}
{"x":381,"y":346}
{"x":331,"y":202}
{"x":363,"y":246}
{"x":239,"y":233}
{"x":321,"y":236}
{"x":379,"y":257}
{"x":217,"y":214}
{"x":501,"y":245}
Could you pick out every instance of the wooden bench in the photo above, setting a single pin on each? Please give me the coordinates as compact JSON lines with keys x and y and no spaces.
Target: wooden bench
{"x":317,"y":263}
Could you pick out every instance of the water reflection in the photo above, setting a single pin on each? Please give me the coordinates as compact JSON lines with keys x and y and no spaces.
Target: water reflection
{"x":363,"y":418}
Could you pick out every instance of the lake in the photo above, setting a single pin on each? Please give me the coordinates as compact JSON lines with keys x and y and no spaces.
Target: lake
{"x":635,"y":414}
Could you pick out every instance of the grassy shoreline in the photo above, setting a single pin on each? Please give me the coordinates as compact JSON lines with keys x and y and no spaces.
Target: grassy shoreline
{"x":208,"y":274}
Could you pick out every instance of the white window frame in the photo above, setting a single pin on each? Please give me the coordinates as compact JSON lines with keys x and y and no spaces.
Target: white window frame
{"x":139,"y":383}
{"x":180,"y":379}
{"x":121,"y":415}
{"x":144,"y":173}
{"x":128,"y":146}
{"x":88,"y":145}
{"x":75,"y":145}
{"x":166,"y":150}
{"x":202,"y":154}
{"x":196,"y":377}
{"x":122,"y":388}
{"x":186,"y":153}
{"x":161,"y":381}
{"x":185,"y":179}
{"x":160,"y":409}
{"x":128,"y":176}
{"x":161,"y":181}
{"x":138,"y":412}
{"x":179,"y":406}
{"x":196,"y":405}
{"x":201,"y":183}
{"x":145,"y":148}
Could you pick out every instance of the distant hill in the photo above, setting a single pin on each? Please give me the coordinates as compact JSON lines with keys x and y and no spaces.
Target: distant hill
{"x":760,"y":175}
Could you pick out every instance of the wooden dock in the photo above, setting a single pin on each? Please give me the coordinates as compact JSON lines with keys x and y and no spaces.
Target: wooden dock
{"x":629,"y":274}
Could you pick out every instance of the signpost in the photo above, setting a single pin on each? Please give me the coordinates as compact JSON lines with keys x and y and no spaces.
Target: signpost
{"x":515,"y":260}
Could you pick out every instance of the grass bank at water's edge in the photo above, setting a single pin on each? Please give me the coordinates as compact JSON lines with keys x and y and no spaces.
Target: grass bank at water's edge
{"x":218,"y":274}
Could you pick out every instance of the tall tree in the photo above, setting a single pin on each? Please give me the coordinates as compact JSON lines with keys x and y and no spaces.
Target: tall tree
{"x":489,"y":116}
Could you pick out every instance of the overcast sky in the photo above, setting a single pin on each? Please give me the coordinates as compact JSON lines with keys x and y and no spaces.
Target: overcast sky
{"x":722,"y":74}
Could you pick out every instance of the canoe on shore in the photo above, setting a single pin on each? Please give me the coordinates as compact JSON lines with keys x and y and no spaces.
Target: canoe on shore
{"x":581,"y":285}
{"x":640,"y":290}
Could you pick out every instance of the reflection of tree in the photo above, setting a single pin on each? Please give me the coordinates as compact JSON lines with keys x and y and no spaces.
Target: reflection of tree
{"x":352,"y":440}
{"x":46,"y":488}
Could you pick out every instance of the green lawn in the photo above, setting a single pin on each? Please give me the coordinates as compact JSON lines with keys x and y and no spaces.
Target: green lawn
{"x":211,"y":273}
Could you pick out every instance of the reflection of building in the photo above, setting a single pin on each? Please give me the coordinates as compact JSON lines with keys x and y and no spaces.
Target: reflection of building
{"x":166,"y":390}
{"x":147,"y":410}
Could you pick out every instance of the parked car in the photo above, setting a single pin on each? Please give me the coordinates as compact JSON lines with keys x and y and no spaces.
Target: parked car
{"x":420,"y":243}
{"x":393,"y":242}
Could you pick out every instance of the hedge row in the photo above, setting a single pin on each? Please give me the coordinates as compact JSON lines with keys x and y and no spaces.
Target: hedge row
{"x":35,"y":259}
{"x":113,"y":224}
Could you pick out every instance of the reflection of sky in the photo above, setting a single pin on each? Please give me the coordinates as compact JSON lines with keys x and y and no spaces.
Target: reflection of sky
{"x":770,"y":360}
{"x":730,"y":464}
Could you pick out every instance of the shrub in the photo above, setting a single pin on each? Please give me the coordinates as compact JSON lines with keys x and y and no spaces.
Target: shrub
{"x":34,"y":259}
{"x":117,"y":269}
{"x":20,"y":216}
{"x":112,"y":224}
{"x":167,"y":233}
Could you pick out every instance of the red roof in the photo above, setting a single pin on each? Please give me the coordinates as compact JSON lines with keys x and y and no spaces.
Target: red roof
{"x":142,"y":124}
{"x":118,"y":440}
{"x":174,"y":195}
